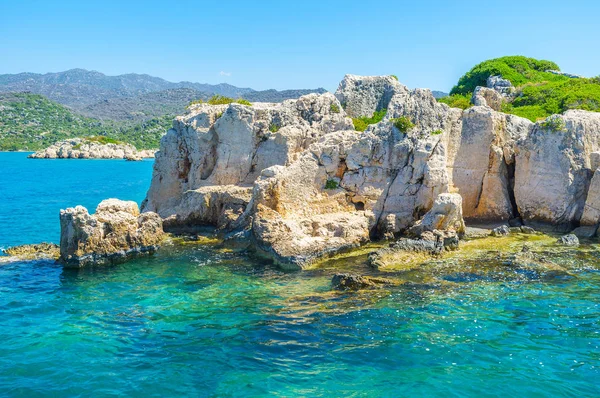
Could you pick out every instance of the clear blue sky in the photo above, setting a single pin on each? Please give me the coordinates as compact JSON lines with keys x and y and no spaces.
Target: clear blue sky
{"x":294,"y":44}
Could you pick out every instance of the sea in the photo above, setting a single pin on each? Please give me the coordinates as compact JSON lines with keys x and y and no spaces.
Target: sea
{"x":200,"y":319}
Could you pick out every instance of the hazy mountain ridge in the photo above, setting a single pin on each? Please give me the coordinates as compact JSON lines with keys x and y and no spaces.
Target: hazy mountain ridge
{"x":80,"y":88}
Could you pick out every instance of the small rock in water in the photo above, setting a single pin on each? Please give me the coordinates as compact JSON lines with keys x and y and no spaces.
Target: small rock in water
{"x":35,"y":251}
{"x":501,"y":231}
{"x":527,"y":230}
{"x":355,"y":282}
{"x":568,"y":240}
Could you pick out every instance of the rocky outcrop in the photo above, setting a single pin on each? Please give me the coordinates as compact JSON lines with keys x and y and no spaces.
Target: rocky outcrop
{"x":37,"y":251}
{"x":553,"y":173}
{"x":115,"y":233}
{"x":500,"y":85}
{"x":445,"y":215}
{"x":365,"y":95}
{"x":219,"y":151}
{"x":482,"y":162}
{"x":82,"y":148}
{"x":301,"y":184}
{"x":483,"y":96}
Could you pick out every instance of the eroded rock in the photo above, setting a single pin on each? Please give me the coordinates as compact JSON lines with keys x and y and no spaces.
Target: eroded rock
{"x":115,"y":233}
{"x":356,"y":282}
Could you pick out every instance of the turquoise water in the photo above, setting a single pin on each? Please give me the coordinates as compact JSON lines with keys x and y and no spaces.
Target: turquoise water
{"x":199,"y":320}
{"x":34,"y":190}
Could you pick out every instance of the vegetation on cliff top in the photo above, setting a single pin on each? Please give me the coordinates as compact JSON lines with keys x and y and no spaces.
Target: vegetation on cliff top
{"x":538,"y":93}
{"x":361,"y":123}
{"x":32,"y":122}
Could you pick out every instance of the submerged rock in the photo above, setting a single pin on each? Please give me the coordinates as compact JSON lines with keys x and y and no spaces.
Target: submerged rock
{"x":35,"y":251}
{"x":356,"y":282}
{"x":115,"y":233}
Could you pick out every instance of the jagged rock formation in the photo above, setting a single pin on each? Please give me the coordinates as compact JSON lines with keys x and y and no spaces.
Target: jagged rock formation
{"x":115,"y":233}
{"x":81,"y":148}
{"x":302,"y":184}
{"x":214,"y":154}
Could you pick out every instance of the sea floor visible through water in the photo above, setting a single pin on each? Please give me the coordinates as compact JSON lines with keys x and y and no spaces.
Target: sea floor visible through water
{"x":201,"y":319}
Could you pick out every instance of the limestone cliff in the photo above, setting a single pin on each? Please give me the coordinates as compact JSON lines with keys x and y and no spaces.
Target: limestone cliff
{"x":302,"y":183}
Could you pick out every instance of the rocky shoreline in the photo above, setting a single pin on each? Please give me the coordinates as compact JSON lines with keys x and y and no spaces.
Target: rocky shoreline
{"x":295,"y":182}
{"x":85,"y":148}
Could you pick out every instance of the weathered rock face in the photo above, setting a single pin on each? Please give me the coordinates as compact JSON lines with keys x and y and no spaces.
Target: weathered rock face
{"x":502,"y":86}
{"x":114,"y":234}
{"x":301,"y":184}
{"x":483,"y":96}
{"x":364,"y":95}
{"x":482,"y":162}
{"x":553,"y":172}
{"x":383,"y":181}
{"x":81,"y":148}
{"x":446,"y":214}
{"x":216,"y":150}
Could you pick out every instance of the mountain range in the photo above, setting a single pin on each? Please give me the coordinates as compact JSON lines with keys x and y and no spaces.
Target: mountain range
{"x":131,"y":96}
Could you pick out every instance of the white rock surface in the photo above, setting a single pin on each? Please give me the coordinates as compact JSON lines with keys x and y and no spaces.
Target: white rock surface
{"x":229,"y":145}
{"x":553,"y":168}
{"x":364,"y":95}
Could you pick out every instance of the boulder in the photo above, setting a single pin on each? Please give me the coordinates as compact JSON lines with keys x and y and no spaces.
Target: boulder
{"x":502,"y":230}
{"x":483,"y":96}
{"x":568,"y":240}
{"x":115,"y":233}
{"x":446,"y":214}
{"x":502,"y":86}
{"x":364,"y":95}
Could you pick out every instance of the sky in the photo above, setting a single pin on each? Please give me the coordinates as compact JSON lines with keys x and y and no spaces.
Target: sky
{"x":295,"y":44}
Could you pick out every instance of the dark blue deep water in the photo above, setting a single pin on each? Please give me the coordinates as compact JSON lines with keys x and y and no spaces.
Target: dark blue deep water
{"x":201,"y":320}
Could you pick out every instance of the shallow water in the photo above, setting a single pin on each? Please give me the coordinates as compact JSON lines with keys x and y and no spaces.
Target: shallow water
{"x":201,"y":320}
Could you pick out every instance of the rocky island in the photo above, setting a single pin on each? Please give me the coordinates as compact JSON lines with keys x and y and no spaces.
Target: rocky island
{"x":307,"y":179}
{"x":92,"y":148}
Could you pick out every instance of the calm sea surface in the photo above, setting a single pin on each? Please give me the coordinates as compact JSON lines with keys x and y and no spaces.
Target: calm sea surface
{"x":200,"y":320}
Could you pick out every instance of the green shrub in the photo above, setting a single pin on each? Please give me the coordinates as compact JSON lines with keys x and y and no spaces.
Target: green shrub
{"x":195,"y":102}
{"x":103,"y":140}
{"x":331,"y":184}
{"x":77,"y":147}
{"x":436,"y":132}
{"x":457,"y":101}
{"x":555,"y":124}
{"x":223,"y":100}
{"x":219,"y":115}
{"x":361,"y":123}
{"x":394,"y":77}
{"x":403,"y":123}
{"x":334,"y":108}
{"x":517,"y":69}
{"x":273,"y":128}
